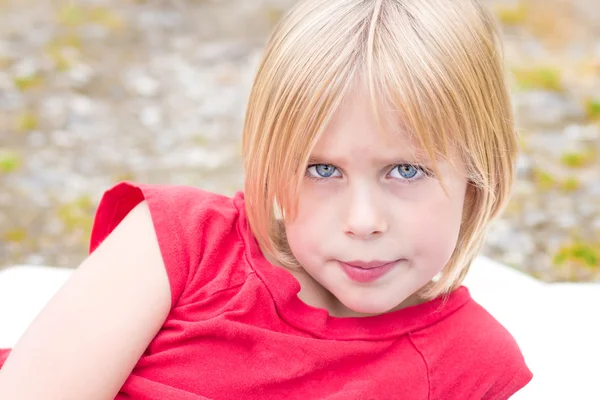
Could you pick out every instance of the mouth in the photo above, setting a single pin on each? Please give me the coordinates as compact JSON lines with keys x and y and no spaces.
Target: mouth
{"x":369,"y":264}
{"x":366,"y":271}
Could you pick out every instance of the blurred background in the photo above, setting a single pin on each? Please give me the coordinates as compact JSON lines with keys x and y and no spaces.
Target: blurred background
{"x":99,"y":91}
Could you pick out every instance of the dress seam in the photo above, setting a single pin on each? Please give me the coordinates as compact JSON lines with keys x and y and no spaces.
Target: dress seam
{"x":410,"y":339}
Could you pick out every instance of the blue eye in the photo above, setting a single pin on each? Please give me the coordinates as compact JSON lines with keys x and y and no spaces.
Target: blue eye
{"x":321,"y":171}
{"x":406,"y":172}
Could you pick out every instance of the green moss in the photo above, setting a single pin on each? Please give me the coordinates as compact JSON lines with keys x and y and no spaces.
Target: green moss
{"x":67,"y":40}
{"x":59,"y":58}
{"x":512,"y":15}
{"x":570,"y":184}
{"x":200,"y":140}
{"x":577,"y":159}
{"x":106,"y":17}
{"x":9,"y":161}
{"x":543,"y":179}
{"x":77,"y":215}
{"x":523,"y":144}
{"x":545,"y":78}
{"x":71,"y":14}
{"x":26,"y":121}
{"x":58,"y":48}
{"x":592,"y":109}
{"x":17,"y":235}
{"x":579,"y":253}
{"x":24,"y":83}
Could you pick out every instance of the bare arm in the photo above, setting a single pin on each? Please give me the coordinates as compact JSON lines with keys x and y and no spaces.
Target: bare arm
{"x":86,"y":341}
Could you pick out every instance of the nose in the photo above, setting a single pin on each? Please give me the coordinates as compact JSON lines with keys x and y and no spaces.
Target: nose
{"x":365,"y":216}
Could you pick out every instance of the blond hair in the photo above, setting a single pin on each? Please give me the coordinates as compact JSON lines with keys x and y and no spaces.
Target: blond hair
{"x":437,"y":62}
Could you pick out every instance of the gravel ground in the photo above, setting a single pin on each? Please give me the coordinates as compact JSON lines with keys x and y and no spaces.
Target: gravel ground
{"x":94,"y":92}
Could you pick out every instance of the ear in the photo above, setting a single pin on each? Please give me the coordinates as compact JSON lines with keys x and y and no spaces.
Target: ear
{"x":470,"y":192}
{"x":469,"y":200}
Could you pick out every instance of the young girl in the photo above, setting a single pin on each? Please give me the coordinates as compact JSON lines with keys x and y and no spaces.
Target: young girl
{"x":378,"y":144}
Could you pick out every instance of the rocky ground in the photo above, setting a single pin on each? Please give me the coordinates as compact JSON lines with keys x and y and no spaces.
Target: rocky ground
{"x":94,"y":92}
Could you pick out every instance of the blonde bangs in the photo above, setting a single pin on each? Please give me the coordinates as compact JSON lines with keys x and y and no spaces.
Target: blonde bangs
{"x":435,"y":64}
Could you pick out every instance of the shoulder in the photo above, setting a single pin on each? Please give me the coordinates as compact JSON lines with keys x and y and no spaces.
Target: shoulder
{"x":471,"y":355}
{"x":168,"y":204}
{"x":191,"y":225}
{"x":174,"y":202}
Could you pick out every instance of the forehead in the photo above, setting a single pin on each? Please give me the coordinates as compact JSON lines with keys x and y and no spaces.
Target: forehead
{"x":359,"y":129}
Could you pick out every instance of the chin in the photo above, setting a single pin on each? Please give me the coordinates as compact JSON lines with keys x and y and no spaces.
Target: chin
{"x":372,"y":308}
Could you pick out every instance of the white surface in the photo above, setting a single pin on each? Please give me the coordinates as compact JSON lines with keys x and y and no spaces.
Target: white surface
{"x":24,"y":290}
{"x":557,"y":326}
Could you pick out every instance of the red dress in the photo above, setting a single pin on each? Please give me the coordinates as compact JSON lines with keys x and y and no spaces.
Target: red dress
{"x":237,"y":329}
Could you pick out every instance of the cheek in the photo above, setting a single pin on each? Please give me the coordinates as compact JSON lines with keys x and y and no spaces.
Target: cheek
{"x":306,"y":233}
{"x":436,"y":225}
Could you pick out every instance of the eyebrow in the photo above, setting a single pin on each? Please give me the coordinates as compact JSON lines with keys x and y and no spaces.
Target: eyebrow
{"x":414,"y":160}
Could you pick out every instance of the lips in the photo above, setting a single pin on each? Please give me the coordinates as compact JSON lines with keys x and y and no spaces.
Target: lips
{"x":368,"y":264}
{"x":366,"y":271}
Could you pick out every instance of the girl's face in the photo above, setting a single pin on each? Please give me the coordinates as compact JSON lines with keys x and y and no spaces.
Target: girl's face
{"x":373,"y":225}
